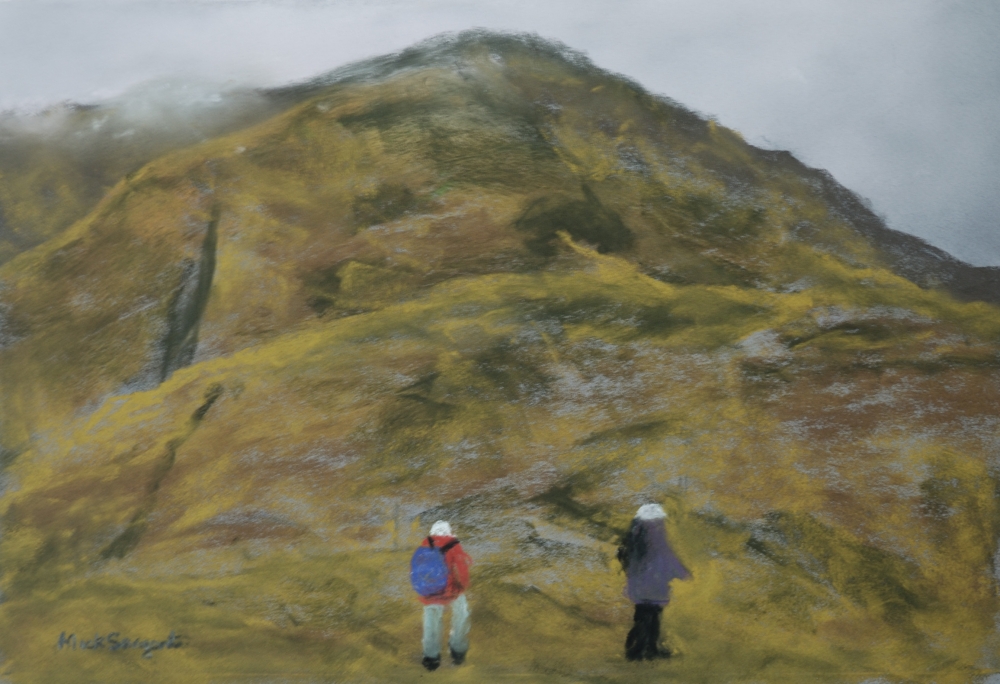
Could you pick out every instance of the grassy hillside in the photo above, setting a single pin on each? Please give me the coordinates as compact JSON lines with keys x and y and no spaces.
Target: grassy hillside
{"x":489,"y":283}
{"x":56,"y":165}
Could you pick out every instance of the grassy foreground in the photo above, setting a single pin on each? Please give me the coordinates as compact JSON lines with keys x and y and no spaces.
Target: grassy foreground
{"x":266,"y":502}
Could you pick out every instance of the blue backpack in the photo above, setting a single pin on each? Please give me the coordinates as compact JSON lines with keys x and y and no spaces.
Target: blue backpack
{"x":428,"y":570}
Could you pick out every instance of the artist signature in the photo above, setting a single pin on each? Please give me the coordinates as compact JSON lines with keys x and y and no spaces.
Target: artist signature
{"x":113,"y":641}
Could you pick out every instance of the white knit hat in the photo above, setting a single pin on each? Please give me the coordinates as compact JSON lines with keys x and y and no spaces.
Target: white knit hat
{"x":651,"y":512}
{"x":441,"y":529}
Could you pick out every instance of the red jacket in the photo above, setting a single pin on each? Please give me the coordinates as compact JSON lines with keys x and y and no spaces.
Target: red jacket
{"x":458,"y":562}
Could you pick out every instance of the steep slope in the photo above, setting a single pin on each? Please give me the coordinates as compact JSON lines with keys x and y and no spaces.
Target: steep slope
{"x":483,"y":280}
{"x":56,"y":165}
{"x":469,"y":165}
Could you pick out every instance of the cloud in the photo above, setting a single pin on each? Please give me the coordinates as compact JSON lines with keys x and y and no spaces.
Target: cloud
{"x":899,"y":99}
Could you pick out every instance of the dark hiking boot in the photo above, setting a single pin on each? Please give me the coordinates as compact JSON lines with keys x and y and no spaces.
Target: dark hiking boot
{"x":635,"y":643}
{"x":431,"y":663}
{"x":456,"y":657}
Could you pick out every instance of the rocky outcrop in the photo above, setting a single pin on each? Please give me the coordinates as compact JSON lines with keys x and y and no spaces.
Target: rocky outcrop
{"x":188,"y":303}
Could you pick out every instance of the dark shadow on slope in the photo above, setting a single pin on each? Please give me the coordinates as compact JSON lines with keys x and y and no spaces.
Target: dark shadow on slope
{"x":322,"y":286}
{"x":188,"y":304}
{"x":633,"y":431}
{"x":7,"y":457}
{"x":129,"y":538}
{"x":878,"y":581}
{"x":596,"y":521}
{"x":512,"y":372}
{"x":387,"y":203}
{"x":406,"y":432}
{"x":586,"y":221}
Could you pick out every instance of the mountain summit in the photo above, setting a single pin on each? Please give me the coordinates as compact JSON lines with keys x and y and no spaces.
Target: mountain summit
{"x":483,"y":280}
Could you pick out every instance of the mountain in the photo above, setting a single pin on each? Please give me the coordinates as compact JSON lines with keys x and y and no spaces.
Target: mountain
{"x":57,"y":164}
{"x":485,"y":281}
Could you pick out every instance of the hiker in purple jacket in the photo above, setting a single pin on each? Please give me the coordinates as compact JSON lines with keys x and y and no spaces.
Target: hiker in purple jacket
{"x":650,"y":565}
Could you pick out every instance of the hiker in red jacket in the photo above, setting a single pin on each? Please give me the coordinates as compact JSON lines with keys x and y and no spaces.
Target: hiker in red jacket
{"x":457,"y":563}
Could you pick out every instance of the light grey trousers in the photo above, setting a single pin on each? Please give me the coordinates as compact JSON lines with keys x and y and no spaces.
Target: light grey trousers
{"x":458,"y":640}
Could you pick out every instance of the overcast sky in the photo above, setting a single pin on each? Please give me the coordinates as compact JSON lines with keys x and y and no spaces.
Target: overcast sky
{"x":899,"y":99}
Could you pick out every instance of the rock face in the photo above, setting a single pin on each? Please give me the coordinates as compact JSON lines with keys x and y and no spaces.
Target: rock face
{"x":484,"y":281}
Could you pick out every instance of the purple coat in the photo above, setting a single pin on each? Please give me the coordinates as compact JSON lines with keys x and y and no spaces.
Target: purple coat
{"x":649,"y":563}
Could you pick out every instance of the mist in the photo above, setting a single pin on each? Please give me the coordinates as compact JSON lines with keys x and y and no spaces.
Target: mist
{"x":899,"y":100}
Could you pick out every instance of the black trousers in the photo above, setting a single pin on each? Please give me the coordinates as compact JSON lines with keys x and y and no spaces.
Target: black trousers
{"x":644,"y":638}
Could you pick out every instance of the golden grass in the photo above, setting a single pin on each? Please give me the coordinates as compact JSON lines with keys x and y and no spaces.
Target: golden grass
{"x":384,"y":346}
